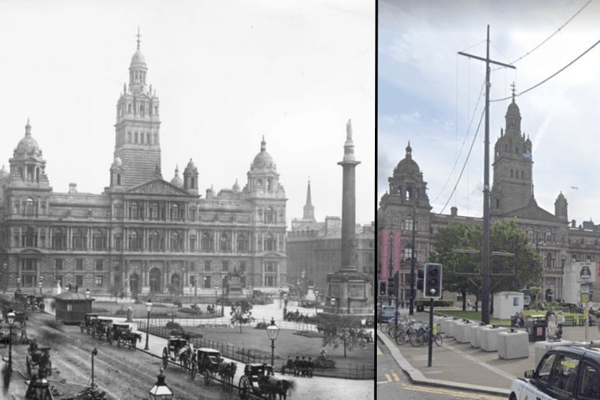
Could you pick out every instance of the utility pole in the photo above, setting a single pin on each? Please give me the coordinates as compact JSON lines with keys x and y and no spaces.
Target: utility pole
{"x":485,"y":290}
{"x":412,"y":265}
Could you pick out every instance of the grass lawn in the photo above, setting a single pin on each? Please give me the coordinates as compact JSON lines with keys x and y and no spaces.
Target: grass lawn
{"x":476,"y":315}
{"x":287,"y":344}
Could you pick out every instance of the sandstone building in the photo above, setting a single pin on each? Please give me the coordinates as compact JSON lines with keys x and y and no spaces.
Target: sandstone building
{"x":143,"y":233}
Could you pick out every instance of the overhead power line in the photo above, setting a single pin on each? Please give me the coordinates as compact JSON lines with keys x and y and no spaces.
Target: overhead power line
{"x":551,"y":76}
{"x":549,"y":37}
{"x":465,"y":164}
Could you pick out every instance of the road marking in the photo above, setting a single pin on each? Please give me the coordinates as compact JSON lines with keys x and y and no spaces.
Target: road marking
{"x":396,"y":378}
{"x":453,"y":393}
{"x":389,"y":378}
{"x":380,"y":382}
{"x":433,"y":372}
{"x":379,"y":352}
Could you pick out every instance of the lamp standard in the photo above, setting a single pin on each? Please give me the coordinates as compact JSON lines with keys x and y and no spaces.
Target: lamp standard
{"x":41,"y":283}
{"x":94,"y":353}
{"x":148,"y":308}
{"x":272,"y":332}
{"x":11,"y":320}
{"x":87,"y":294}
{"x":160,"y":390}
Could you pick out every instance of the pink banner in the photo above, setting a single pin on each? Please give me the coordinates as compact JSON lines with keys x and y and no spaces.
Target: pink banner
{"x":385,"y":254}
{"x":396,"y":251}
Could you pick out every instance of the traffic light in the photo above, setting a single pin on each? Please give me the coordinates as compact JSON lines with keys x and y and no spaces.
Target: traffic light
{"x":382,"y":288}
{"x":420,"y":276}
{"x":391,"y":288}
{"x":433,"y":281}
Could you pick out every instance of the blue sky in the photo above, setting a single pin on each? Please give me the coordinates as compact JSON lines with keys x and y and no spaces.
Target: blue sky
{"x":226,"y":72}
{"x":428,"y":94}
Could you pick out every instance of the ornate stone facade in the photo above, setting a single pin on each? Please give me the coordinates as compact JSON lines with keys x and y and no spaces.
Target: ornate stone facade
{"x":558,"y":242}
{"x":142,"y":233}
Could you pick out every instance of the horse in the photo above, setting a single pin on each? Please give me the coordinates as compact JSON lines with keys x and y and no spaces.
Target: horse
{"x":132,"y":338}
{"x":271,"y":387}
{"x":184,"y":355}
{"x":227,"y":373}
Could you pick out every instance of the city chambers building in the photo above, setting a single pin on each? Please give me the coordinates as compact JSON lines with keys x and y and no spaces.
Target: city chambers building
{"x":143,"y":233}
{"x":561,"y":244}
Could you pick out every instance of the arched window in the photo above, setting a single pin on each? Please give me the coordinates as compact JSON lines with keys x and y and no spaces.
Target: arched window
{"x":192,"y":213}
{"x":269,"y":216}
{"x":193,"y":241}
{"x":176,"y":242}
{"x":242,"y":243}
{"x":224,"y":243}
{"x":29,"y":238}
{"x":99,"y":240}
{"x":530,"y":235}
{"x":269,"y":243}
{"x":153,"y":241}
{"x":29,"y":207}
{"x":135,"y":241}
{"x":174,"y":212}
{"x":207,"y":243}
{"x":79,"y":239}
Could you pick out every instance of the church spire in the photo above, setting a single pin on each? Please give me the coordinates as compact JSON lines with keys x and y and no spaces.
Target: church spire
{"x":309,"y":210}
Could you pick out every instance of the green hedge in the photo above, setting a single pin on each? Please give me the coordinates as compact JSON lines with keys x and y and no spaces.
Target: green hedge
{"x":436,"y":303}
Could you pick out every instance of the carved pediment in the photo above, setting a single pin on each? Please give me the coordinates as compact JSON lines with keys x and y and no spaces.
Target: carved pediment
{"x":157,"y":186}
{"x":532,"y":211}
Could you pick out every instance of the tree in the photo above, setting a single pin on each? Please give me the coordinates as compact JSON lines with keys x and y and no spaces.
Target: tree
{"x":241,"y":313}
{"x":116,"y":291}
{"x":505,"y":236}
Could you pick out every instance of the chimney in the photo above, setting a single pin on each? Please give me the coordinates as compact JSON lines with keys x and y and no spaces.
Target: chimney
{"x":453,"y":211}
{"x":573,"y":224}
{"x":72,"y":188}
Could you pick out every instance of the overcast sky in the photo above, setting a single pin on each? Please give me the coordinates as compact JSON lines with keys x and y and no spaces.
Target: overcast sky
{"x":226,"y":73}
{"x":428,"y":95}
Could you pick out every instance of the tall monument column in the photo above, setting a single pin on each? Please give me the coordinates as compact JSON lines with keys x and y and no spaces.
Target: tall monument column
{"x":348,"y":289}
{"x":349,"y":164}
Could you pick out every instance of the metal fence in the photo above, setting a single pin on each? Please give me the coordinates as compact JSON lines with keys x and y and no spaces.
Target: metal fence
{"x":250,"y":356}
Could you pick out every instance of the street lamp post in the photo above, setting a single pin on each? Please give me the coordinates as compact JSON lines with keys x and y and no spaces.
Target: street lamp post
{"x":94,"y":353}
{"x":41,"y":283}
{"x":11,"y":320}
{"x":272,"y":332}
{"x":148,"y":308}
{"x":160,"y":390}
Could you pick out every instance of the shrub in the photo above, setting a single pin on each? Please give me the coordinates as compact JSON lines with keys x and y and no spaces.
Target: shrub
{"x":261,"y":325}
{"x":174,"y":326}
{"x":436,"y":303}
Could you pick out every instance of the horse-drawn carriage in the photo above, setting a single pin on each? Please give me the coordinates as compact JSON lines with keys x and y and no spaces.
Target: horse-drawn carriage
{"x":101,"y":328}
{"x":122,"y":334}
{"x":88,"y":322}
{"x":258,"y":379}
{"x":208,"y":362}
{"x":40,"y":358}
{"x":179,"y":350}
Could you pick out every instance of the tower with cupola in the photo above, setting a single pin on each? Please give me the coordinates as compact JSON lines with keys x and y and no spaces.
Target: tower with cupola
{"x":137,"y":142}
{"x":513,"y":165}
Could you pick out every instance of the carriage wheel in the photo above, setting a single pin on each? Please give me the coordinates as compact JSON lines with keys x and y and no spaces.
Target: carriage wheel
{"x":193,"y":370}
{"x":245,"y":388}
{"x":165,"y":358}
{"x":207,"y":376}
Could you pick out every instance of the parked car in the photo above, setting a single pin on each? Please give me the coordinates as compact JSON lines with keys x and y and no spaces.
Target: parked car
{"x":386,"y":314}
{"x":566,"y":372}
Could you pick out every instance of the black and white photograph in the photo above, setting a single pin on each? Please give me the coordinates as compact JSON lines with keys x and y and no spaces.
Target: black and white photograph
{"x":187,"y":200}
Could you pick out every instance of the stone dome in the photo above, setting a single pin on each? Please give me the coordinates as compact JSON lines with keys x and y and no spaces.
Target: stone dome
{"x":177,"y":181}
{"x":27,"y":146}
{"x":4,"y":173}
{"x":138,"y":59}
{"x":263,"y":160}
{"x":190,"y":168}
{"x":236,"y":186}
{"x":407,"y":164}
{"x":513,"y":108}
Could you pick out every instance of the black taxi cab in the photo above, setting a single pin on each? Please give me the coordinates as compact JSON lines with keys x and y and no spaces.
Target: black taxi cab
{"x":564,"y":373}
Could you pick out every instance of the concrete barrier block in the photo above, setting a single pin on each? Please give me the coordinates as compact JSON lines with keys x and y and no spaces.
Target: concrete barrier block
{"x":463,"y":332}
{"x":513,"y":345}
{"x":452,"y":327}
{"x":489,"y":338}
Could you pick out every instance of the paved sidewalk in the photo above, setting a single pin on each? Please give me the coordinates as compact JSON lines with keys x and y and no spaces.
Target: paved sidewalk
{"x":461,"y":366}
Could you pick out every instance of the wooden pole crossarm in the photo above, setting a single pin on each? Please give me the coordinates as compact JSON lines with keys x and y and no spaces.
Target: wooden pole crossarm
{"x":483,"y":59}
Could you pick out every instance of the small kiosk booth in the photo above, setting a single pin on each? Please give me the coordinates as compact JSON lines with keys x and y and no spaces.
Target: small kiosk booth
{"x":71,"y":307}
